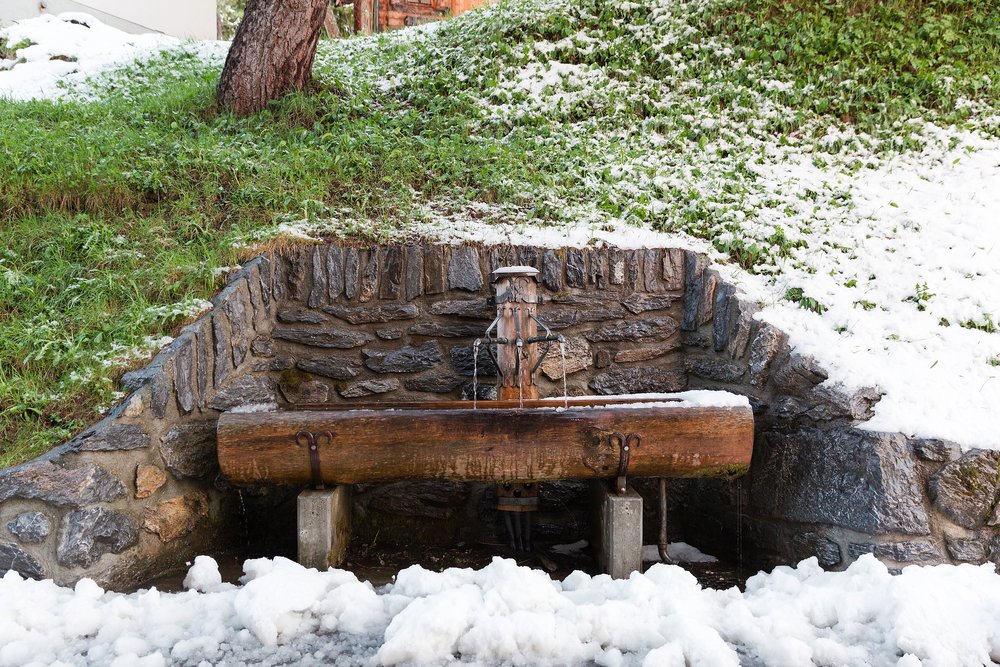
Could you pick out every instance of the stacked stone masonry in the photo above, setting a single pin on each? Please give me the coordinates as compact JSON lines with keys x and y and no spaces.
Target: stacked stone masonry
{"x":139,"y":493}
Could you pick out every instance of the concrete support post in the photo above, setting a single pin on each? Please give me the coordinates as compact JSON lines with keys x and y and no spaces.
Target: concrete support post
{"x":619,"y":531}
{"x":324,"y":519}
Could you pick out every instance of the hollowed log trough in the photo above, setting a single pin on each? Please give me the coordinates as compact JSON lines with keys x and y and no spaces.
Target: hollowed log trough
{"x":497,"y":441}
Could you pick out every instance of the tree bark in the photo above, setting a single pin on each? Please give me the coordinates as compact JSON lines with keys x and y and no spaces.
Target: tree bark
{"x":272,"y":53}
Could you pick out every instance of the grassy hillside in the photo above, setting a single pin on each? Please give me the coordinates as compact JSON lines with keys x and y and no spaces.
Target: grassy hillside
{"x":120,"y":210}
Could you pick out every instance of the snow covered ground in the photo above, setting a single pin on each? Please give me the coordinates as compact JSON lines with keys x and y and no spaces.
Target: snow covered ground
{"x":284,"y":614}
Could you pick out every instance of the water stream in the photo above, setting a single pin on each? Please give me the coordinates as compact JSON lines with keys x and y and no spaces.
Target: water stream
{"x":562,"y":351}
{"x":475,"y":373}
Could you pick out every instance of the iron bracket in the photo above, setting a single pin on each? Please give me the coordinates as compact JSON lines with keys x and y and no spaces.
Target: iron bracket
{"x":312,"y":442}
{"x":625,"y":443}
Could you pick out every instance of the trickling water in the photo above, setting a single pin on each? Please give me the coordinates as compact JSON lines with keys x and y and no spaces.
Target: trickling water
{"x":739,"y":527}
{"x":475,"y":373}
{"x":243,"y":513}
{"x":562,"y":351}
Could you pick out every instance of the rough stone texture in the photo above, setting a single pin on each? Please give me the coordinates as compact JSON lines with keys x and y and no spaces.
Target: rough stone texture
{"x":90,"y":533}
{"x":318,"y":291}
{"x":562,"y":317}
{"x":29,"y":528}
{"x":638,"y":380}
{"x":236,"y":306}
{"x":598,"y":273}
{"x":552,"y":271}
{"x":798,"y":375}
{"x":434,"y":270}
{"x":262,"y":346}
{"x":245,"y":390}
{"x":203,"y":338}
{"x":159,"y":391}
{"x":189,"y":449}
{"x":369,"y":276}
{"x":826,"y":551}
{"x":578,"y":357}
{"x":739,"y":338}
{"x":694,"y":270}
{"x":652,"y":266}
{"x":177,"y":516}
{"x":856,"y":550}
{"x":301,"y":315}
{"x":389,"y":334}
{"x":328,"y":337}
{"x":311,"y":391}
{"x":706,"y":304}
{"x":437,"y":384}
{"x":461,"y":360}
{"x":723,"y":313}
{"x":463,"y":270}
{"x":471,"y":308}
{"x":765,"y":346}
{"x":966,"y":490}
{"x":369,"y":387}
{"x":222,"y":348}
{"x":352,"y":263}
{"x":602,"y":359}
{"x":13,"y":557}
{"x":275,"y":364}
{"x":381,"y":313}
{"x":632,"y":260}
{"x":116,"y":437}
{"x":642,"y":354}
{"x":330,"y":367}
{"x":298,"y":274}
{"x":673,"y":269}
{"x":640,"y":303}
{"x":148,"y":480}
{"x":651,"y":329}
{"x":184,"y":374}
{"x":442,"y":330}
{"x":63,"y":487}
{"x":429,"y":500}
{"x":334,"y":272}
{"x":966,"y":550}
{"x":859,"y":480}
{"x":616,"y":267}
{"x":392,"y":273}
{"x":718,"y":369}
{"x":407,"y":359}
{"x":936,"y":450}
{"x":576,"y":268}
{"x":912,"y":551}
{"x":413,"y":279}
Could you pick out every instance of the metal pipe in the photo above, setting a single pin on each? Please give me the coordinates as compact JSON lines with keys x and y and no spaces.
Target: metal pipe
{"x":661,"y":545}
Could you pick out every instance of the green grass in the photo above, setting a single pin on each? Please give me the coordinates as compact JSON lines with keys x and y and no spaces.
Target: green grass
{"x":116,"y":213}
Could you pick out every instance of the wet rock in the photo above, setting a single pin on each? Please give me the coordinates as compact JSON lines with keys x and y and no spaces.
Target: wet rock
{"x":717,"y":369}
{"x":148,"y":480}
{"x":638,"y":381}
{"x":392,"y":273}
{"x":463,"y":270}
{"x":723,"y":313}
{"x":407,"y":359}
{"x":966,"y":490}
{"x":302,"y":393}
{"x":578,"y":357}
{"x":576,"y":268}
{"x":472,"y":308}
{"x":859,"y":480}
{"x":328,"y":337}
{"x":643,"y":353}
{"x":969,"y":551}
{"x":413,"y":279}
{"x":338,"y":369}
{"x":438,"y":383}
{"x":60,"y":486}
{"x":461,"y":360}
{"x":189,"y":449}
{"x":434,"y":270}
{"x":13,"y":557}
{"x":552,"y":271}
{"x":912,"y":551}
{"x":856,"y":550}
{"x":484,"y":392}
{"x":763,"y":349}
{"x":932,"y":449}
{"x":245,"y":390}
{"x":439,"y":330}
{"x":90,"y":533}
{"x":29,"y":528}
{"x":159,"y":391}
{"x":652,"y":329}
{"x":301,"y":315}
{"x":177,"y":516}
{"x":369,"y":387}
{"x":826,"y":551}
{"x":369,"y":277}
{"x":640,"y":303}
{"x":115,"y":437}
{"x":694,"y":282}
{"x":374,"y":314}
{"x":432,"y":500}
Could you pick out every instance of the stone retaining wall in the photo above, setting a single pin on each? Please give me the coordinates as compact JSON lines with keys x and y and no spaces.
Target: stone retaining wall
{"x":139,"y":492}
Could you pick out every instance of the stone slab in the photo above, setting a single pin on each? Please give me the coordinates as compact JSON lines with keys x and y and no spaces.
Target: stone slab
{"x":324,"y":526}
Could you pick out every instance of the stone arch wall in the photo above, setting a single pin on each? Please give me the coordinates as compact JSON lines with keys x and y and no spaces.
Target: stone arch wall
{"x":139,"y":492}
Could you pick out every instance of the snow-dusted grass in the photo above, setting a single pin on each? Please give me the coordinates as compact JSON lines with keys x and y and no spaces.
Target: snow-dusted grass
{"x":838,"y":158}
{"x":282,"y":613}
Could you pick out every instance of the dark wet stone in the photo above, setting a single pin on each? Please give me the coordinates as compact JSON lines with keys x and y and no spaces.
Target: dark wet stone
{"x":374,"y":314}
{"x":471,"y":308}
{"x":369,"y":387}
{"x":463,"y":270}
{"x":236,"y":305}
{"x":632,"y":380}
{"x":826,"y":551}
{"x":369,"y":276}
{"x":439,"y":330}
{"x":115,"y":437}
{"x":484,"y":391}
{"x":739,"y":338}
{"x":912,"y":551}
{"x":763,"y":349}
{"x":275,"y":364}
{"x":246,"y":390}
{"x":437,"y":384}
{"x":60,"y":486}
{"x":932,"y":449}
{"x":413,"y":278}
{"x":428,"y":499}
{"x":300,"y":316}
{"x":318,"y":290}
{"x":159,"y":391}
{"x":969,"y":551}
{"x":342,"y":339}
{"x":706,"y":304}
{"x":90,"y":533}
{"x":392,"y":273}
{"x":184,"y":374}
{"x":654,"y":328}
{"x":189,"y":450}
{"x":434,"y":270}
{"x":718,"y":369}
{"x":338,"y":369}
{"x":221,"y":348}
{"x":352,"y":263}
{"x":694,"y":278}
{"x":966,"y":490}
{"x":723,"y":311}
{"x":856,"y":550}
{"x":859,"y":480}
{"x":576,"y":268}
{"x":640,"y":303}
{"x":552,"y":271}
{"x":203,"y":338}
{"x":528,"y":256}
{"x":407,"y":359}
{"x":652,"y":266}
{"x":30,"y":527}
{"x":13,"y":557}
{"x":334,"y":272}
{"x":461,"y":359}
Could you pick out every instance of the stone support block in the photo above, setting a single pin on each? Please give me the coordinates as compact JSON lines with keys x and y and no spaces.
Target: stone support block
{"x":324,"y":526}
{"x":619,"y":531}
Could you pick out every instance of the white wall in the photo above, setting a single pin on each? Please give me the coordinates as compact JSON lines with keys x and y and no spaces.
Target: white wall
{"x":181,"y":18}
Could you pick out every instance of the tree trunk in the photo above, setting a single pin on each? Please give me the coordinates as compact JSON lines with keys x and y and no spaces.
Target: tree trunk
{"x":272,"y":53}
